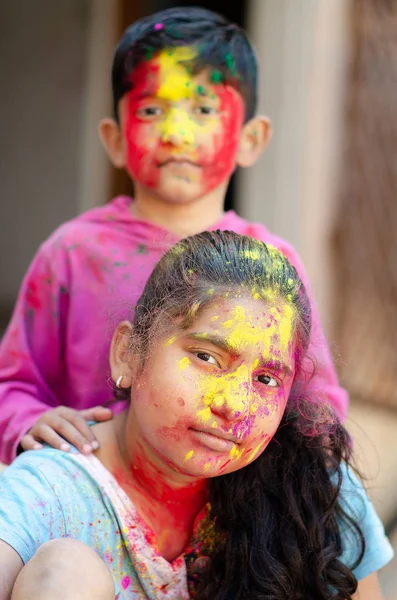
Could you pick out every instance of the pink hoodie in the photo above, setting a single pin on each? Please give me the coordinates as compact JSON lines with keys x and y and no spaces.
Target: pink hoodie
{"x":85,"y":279}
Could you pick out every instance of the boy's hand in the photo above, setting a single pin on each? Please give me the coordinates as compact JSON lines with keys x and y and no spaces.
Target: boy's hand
{"x":70,"y":424}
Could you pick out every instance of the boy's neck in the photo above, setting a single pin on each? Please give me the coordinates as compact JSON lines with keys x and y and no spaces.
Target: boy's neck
{"x":181,"y":219}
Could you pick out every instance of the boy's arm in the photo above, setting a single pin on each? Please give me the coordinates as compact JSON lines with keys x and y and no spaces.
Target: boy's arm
{"x":31,"y":351}
{"x":325,"y":384}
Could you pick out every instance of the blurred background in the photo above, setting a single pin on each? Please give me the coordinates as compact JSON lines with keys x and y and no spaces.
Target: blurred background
{"x":327,"y":183}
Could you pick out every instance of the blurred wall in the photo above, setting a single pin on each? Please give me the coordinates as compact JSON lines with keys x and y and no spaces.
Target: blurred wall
{"x":302,"y":49}
{"x":43,"y":71}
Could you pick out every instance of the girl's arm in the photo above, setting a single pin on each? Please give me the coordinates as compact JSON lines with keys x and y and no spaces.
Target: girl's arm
{"x":369,"y":589}
{"x":10,"y":566}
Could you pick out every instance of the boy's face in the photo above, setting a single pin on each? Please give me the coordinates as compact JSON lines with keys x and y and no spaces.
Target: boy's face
{"x":181,"y":131}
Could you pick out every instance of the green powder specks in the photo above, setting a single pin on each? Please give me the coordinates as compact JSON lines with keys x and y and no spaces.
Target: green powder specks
{"x":149,"y":53}
{"x":216,"y":76}
{"x":231,"y":65}
{"x":201,"y":90}
{"x":142,"y":249}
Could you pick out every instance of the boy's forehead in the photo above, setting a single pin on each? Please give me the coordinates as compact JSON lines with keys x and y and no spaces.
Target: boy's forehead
{"x":173,"y":73}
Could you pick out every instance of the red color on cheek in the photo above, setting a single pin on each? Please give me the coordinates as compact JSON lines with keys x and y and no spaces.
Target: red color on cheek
{"x":141,"y":142}
{"x":221,"y":164}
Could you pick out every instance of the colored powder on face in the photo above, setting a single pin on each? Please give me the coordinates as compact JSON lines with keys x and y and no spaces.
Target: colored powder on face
{"x":246,"y":333}
{"x":184,"y":363}
{"x":170,"y":341}
{"x":189,"y":455}
{"x":216,"y":76}
{"x":230,"y":389}
{"x":173,"y":75}
{"x":201,"y":90}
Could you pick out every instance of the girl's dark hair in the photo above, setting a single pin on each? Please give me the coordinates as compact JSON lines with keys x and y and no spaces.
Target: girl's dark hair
{"x":278,"y":519}
{"x":220,"y":44}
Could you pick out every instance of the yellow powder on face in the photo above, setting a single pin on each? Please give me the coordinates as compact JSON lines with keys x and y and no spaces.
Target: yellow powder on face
{"x":207,"y":466}
{"x":235,"y":453}
{"x":215,"y":318}
{"x":176,"y":84}
{"x":204,"y":414}
{"x":254,"y":452}
{"x":170,"y":341}
{"x":286,"y":326}
{"x":246,"y":333}
{"x":189,"y":455}
{"x":184,"y":363}
{"x":229,"y":389}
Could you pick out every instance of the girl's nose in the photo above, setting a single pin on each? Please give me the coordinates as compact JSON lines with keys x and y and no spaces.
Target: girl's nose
{"x":232,"y":402}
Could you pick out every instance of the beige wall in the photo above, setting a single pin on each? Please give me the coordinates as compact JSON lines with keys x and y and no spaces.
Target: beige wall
{"x":303,"y":50}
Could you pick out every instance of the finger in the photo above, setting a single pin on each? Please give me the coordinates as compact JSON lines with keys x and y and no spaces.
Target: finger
{"x":28,"y":442}
{"x":97,"y":413}
{"x":77,"y":431}
{"x":45,"y":433}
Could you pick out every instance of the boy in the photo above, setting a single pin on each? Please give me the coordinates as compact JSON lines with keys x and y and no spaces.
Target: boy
{"x":184,"y":89}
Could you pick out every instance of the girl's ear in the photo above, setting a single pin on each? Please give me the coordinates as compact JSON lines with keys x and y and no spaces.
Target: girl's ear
{"x":113,"y":141}
{"x":122,"y":358}
{"x":254,"y":138}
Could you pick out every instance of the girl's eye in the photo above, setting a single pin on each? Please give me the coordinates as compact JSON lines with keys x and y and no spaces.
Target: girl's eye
{"x":206,"y":110}
{"x":267,"y":380}
{"x":205,"y":357}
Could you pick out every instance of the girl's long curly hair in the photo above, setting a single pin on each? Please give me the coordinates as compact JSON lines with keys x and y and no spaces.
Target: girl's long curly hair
{"x":279,"y":518}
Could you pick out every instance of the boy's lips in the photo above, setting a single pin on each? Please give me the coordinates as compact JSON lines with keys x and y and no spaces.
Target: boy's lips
{"x":178,"y":161}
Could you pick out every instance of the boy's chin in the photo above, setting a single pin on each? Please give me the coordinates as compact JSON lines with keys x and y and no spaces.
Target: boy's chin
{"x":181,"y":192}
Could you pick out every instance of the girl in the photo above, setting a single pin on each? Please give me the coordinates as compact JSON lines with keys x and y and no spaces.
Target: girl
{"x":222,"y":480}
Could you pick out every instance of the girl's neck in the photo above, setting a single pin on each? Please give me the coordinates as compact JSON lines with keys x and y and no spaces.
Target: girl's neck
{"x":168,"y":502}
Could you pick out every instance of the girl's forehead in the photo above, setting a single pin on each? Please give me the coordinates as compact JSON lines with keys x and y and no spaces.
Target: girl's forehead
{"x":247,"y":323}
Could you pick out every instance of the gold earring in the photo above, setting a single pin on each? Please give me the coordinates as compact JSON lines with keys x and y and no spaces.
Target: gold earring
{"x":118,"y":382}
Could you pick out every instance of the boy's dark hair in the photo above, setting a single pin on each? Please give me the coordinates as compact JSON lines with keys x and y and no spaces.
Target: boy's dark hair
{"x":220,"y":44}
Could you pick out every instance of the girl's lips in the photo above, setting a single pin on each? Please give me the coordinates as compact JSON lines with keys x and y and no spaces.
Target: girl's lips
{"x":213,"y":441}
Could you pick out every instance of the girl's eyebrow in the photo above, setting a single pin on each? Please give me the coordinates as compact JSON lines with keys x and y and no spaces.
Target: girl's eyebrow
{"x":223,"y":344}
{"x":212,"y":338}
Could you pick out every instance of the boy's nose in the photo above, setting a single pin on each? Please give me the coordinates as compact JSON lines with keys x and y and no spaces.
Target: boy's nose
{"x":178,"y":129}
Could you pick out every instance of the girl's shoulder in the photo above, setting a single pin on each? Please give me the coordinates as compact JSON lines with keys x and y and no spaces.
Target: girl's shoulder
{"x":358,"y":507}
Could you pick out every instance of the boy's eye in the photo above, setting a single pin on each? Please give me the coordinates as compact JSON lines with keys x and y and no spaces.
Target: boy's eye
{"x":267,"y":380}
{"x":150,"y":111}
{"x":205,"y":357}
{"x":206,"y":110}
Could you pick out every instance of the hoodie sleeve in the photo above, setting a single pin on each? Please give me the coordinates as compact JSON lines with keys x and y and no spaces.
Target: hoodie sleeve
{"x":31,"y":349}
{"x":325,"y":383}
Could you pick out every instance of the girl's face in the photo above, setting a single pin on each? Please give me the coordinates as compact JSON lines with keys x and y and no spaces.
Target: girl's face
{"x":210,"y":398}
